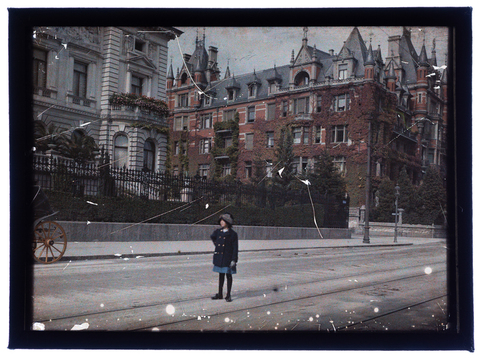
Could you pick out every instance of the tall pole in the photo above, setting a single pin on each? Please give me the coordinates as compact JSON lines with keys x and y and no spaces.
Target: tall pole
{"x":366,"y":235}
{"x":397,"y":194}
{"x":396,"y":219}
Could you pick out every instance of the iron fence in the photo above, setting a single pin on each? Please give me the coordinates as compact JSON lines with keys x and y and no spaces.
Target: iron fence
{"x":90,"y":179}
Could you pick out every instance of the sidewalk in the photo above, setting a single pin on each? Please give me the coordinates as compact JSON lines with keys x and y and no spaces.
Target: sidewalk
{"x":125,"y":250}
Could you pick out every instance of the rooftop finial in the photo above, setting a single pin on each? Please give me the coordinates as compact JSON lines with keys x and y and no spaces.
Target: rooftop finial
{"x":305,"y":39}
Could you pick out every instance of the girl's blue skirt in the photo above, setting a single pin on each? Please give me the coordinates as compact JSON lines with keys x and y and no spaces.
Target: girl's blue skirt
{"x":225,"y":270}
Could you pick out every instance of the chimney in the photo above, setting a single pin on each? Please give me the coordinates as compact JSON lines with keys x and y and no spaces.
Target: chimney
{"x":393,"y":46}
{"x":212,"y":55}
{"x":331,"y":52}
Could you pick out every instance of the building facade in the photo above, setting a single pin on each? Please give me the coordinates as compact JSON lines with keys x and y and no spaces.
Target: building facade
{"x":329,"y":101}
{"x":105,"y":83}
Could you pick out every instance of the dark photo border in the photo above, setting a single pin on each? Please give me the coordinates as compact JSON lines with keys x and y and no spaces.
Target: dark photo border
{"x":460,"y":260}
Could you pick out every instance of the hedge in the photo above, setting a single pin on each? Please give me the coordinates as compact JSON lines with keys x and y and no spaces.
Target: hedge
{"x":134,"y":210}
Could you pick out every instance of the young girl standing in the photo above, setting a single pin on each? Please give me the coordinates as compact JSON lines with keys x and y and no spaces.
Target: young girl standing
{"x":225,"y":257}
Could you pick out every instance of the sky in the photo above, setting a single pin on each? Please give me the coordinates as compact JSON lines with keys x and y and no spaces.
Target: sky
{"x":245,"y":49}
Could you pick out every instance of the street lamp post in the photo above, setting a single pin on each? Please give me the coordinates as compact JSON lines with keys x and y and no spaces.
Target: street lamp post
{"x":397,"y":194}
{"x":366,"y":234}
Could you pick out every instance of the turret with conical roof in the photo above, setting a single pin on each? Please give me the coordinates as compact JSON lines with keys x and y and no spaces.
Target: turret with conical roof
{"x":423,"y":66}
{"x":391,"y":77}
{"x":423,"y":59}
{"x":198,"y":72}
{"x":170,"y":77}
{"x":369,"y":64}
{"x":370,"y":60}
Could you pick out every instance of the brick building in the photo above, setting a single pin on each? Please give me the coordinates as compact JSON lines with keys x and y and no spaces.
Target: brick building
{"x":77,"y":70}
{"x":328,"y":100}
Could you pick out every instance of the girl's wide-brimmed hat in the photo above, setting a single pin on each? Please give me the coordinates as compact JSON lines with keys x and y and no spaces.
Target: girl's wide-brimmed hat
{"x":228,"y":218}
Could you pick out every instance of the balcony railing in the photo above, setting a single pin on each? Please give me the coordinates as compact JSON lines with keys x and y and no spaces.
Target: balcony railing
{"x":136,"y":114}
{"x":81,"y":101}
{"x":45,"y":92}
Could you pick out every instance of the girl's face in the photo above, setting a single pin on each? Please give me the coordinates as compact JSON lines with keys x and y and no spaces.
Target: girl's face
{"x":223,"y":224}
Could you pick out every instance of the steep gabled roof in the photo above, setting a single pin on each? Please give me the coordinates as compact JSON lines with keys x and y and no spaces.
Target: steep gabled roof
{"x":355,"y":47}
{"x":320,"y":55}
{"x":200,"y":53}
{"x":408,"y":58}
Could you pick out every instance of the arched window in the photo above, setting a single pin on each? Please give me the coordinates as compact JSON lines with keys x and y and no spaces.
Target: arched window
{"x":183,"y":79}
{"x":302,"y":79}
{"x":120,"y":153}
{"x":149,"y":155}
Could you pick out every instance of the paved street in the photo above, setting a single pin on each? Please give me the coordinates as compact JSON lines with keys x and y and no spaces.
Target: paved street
{"x":331,"y":288}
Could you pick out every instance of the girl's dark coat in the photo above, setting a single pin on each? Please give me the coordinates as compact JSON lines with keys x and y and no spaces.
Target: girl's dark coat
{"x":226,"y":247}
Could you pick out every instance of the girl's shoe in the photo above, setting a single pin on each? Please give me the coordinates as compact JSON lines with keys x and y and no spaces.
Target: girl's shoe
{"x":217,"y":297}
{"x":228,"y":298}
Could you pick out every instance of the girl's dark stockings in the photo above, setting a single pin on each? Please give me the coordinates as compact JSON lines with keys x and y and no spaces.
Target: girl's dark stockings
{"x":221,"y":280}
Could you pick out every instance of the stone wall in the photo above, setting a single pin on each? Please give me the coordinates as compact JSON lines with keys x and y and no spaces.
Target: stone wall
{"x":356,"y":225}
{"x":404,"y":230}
{"x":100,"y":231}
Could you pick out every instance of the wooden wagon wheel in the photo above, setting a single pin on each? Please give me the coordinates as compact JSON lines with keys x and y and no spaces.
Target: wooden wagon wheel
{"x":49,"y":243}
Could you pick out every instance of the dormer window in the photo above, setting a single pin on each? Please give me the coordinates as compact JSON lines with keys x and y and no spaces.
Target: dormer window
{"x":252,"y":91}
{"x":272,"y":87}
{"x":207,"y":100}
{"x":274,"y":81}
{"x":232,"y":89}
{"x":302,"y":79}
{"x":183,"y":79}
{"x":342,"y":72}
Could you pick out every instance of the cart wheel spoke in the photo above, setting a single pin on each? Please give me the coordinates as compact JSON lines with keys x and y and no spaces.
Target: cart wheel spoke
{"x":38,"y":247}
{"x":54,"y":247}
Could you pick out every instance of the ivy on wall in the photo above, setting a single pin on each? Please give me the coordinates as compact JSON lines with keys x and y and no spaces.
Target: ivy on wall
{"x":231,"y":151}
{"x":139,"y":101}
{"x":151,"y":126}
{"x":183,"y":152}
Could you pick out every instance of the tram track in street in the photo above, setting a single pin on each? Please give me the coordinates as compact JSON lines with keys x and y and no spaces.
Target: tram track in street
{"x":391,"y":312}
{"x":57,"y":321}
{"x":320,"y":295}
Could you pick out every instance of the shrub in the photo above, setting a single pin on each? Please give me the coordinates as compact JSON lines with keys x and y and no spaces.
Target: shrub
{"x":115,"y":209}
